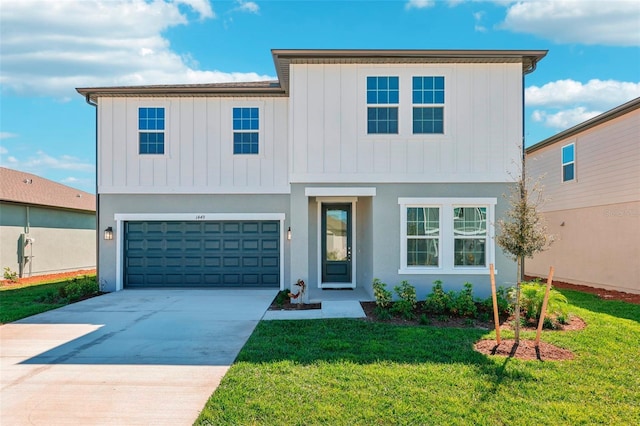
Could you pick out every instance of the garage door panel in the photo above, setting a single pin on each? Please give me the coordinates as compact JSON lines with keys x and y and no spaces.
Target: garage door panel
{"x":212,"y":254}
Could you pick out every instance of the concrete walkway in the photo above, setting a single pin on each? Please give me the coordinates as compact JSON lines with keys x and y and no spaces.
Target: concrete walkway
{"x":133,"y":357}
{"x":329,"y":309}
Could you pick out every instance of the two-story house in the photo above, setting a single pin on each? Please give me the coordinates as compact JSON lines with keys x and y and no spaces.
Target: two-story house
{"x":592,"y":189}
{"x":353,"y":165}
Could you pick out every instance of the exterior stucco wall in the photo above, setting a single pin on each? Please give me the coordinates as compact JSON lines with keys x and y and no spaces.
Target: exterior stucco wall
{"x":378,"y":237}
{"x":63,"y":240}
{"x":596,"y":246}
{"x":110,"y":205}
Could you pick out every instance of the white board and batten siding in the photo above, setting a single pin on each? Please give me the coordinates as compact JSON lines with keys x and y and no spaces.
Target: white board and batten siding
{"x":328,"y":125}
{"x":198,"y":154}
{"x":607,"y":166}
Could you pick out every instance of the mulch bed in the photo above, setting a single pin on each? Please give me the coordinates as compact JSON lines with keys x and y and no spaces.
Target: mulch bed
{"x":288,"y":306}
{"x":524,"y":350}
{"x":49,"y":277}
{"x":600,"y":292}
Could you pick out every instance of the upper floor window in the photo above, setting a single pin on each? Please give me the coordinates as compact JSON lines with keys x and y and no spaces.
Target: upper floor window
{"x":568,"y":162}
{"x":383,"y":97}
{"x":151,"y":130}
{"x":428,"y":105}
{"x":246,"y":126}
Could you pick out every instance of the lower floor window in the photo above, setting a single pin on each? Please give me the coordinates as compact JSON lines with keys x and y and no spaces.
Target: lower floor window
{"x":448,"y":234}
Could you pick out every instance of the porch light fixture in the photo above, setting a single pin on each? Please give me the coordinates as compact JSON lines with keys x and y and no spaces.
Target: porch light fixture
{"x":289,"y":234}
{"x":108,"y":233}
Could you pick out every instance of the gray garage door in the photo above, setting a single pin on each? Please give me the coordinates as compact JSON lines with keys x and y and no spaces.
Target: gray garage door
{"x":202,"y":254}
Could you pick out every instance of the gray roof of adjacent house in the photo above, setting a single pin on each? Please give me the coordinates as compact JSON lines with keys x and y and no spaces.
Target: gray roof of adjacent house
{"x":26,"y":188}
{"x":284,"y":57}
{"x":595,"y":121}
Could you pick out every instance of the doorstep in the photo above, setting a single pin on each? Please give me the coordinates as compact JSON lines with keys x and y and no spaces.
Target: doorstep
{"x":329,"y":309}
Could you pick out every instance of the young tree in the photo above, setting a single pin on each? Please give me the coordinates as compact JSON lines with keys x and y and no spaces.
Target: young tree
{"x":523,"y":231}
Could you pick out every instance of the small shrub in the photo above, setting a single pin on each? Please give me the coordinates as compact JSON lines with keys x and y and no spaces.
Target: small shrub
{"x":463,"y":303}
{"x":407,"y":300}
{"x":424,"y":320}
{"x":562,"y":320}
{"x":78,"y":289}
{"x":382,"y":313}
{"x":438,"y":302}
{"x":532,"y":296}
{"x":469,"y":322}
{"x":10,"y":275}
{"x":382,"y":295}
{"x":281,"y":298}
{"x":548,"y":323}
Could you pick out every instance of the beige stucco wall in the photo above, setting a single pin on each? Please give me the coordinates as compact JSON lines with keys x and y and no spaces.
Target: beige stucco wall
{"x":597,"y":246}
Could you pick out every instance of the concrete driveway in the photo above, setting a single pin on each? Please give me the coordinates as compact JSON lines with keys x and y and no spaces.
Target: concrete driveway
{"x":131,"y":357}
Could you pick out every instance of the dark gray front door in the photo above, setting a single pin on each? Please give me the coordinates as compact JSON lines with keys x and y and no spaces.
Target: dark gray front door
{"x":202,"y":254}
{"x":336,"y":243}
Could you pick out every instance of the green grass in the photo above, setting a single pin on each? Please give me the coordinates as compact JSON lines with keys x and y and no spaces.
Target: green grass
{"x":18,"y":301}
{"x":351,"y":372}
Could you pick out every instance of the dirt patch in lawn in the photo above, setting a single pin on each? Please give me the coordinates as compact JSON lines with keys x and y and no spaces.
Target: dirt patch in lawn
{"x":526,"y":350}
{"x":600,"y":292}
{"x":48,"y":277}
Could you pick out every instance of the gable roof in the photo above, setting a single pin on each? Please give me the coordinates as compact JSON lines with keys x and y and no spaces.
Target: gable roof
{"x":616,"y":112}
{"x":283,"y":58}
{"x":26,"y":188}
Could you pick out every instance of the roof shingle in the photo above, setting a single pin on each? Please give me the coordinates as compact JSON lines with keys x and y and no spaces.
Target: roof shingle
{"x":21,"y":187}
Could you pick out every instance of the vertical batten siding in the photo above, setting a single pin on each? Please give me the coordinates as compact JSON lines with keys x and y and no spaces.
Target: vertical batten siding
{"x":198,"y":154}
{"x":606,"y":167}
{"x":483,"y":125}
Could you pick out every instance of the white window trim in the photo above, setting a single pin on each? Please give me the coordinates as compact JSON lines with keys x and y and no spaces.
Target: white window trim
{"x":446,"y":249}
{"x":121,"y":218}
{"x":260,"y":131}
{"x":151,"y":104}
{"x":575,"y":175}
{"x":405,"y":107}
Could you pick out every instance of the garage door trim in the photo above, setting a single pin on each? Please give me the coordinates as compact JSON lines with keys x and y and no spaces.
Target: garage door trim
{"x":197,"y":217}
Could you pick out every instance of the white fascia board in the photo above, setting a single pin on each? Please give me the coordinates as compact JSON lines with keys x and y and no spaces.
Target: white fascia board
{"x":197,"y":216}
{"x":340,"y":192}
{"x":156,"y":190}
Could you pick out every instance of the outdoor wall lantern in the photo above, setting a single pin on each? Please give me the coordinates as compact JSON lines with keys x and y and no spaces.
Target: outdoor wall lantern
{"x":289,"y":234}
{"x":108,"y":233}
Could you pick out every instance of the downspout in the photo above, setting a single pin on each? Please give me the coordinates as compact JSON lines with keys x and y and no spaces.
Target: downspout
{"x":529,"y":70}
{"x":95,"y":105}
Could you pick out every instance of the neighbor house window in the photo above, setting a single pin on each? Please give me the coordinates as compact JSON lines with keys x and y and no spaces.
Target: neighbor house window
{"x":423,"y":236}
{"x":470,"y":236}
{"x":428,"y":105}
{"x":383,"y":97}
{"x":151,"y":130}
{"x":568,"y":162}
{"x":246,"y":126}
{"x":446,"y":235}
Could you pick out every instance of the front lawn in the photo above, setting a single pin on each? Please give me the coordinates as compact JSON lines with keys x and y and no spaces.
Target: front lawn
{"x":18,"y":301}
{"x":352,"y":372}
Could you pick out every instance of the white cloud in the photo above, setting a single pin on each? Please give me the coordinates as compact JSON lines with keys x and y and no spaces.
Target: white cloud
{"x":563,"y":119}
{"x":478,"y":17}
{"x":611,"y":22}
{"x":49,"y":48}
{"x":7,"y":135}
{"x":602,"y":94}
{"x":565,"y":103}
{"x":41,"y":161}
{"x":418,"y":4}
{"x":247,"y":6}
{"x":3,"y":150}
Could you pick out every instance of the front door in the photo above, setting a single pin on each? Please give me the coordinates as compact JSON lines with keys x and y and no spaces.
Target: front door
{"x":336,"y":243}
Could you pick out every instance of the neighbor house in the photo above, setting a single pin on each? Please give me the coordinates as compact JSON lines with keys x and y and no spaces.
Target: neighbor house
{"x":353,"y":165}
{"x":46,"y":227}
{"x":592,"y":186}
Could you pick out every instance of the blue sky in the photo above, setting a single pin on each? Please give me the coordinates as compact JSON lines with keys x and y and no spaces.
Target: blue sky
{"x":49,"y":47}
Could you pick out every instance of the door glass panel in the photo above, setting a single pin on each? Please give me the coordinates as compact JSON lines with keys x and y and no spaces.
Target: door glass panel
{"x":336,"y":235}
